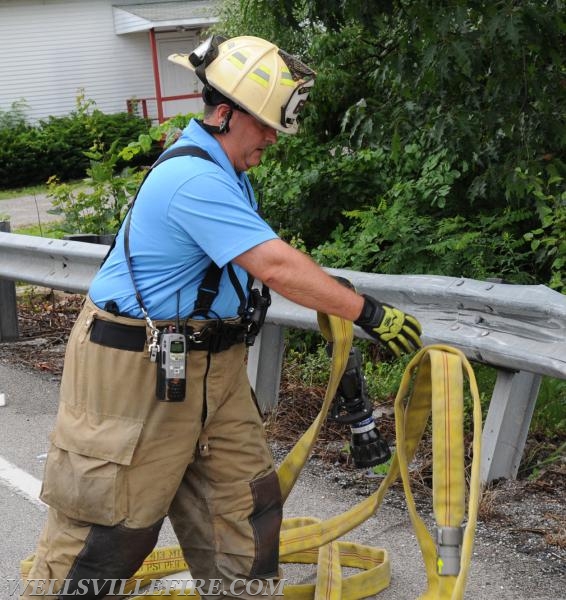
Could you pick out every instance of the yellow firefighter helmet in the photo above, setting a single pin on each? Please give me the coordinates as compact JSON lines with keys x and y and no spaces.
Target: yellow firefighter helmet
{"x":255,"y":75}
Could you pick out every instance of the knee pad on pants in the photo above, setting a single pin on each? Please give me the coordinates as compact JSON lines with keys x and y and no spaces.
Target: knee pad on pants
{"x":266,"y":524}
{"x":114,"y":552}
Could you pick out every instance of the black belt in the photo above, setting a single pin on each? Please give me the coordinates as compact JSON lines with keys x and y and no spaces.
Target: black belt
{"x":130,"y":337}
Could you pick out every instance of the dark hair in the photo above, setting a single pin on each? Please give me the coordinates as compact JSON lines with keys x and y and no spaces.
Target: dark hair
{"x":212,"y":97}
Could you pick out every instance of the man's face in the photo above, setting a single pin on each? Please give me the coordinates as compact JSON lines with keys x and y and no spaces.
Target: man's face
{"x":248,"y":139}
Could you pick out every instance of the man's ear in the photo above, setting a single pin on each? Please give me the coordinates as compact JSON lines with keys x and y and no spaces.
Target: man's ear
{"x":222,"y":110}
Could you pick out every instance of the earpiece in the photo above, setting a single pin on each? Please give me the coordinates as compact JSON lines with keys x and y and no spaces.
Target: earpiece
{"x":225,"y":124}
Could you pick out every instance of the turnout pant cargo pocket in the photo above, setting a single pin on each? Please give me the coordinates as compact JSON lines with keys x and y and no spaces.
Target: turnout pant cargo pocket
{"x":85,"y":479}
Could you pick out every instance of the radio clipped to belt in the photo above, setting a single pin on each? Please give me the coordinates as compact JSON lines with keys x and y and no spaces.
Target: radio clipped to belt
{"x":169,"y":348}
{"x":171,"y":367}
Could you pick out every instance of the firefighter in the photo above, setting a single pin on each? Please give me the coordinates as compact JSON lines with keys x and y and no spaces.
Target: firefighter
{"x":156,"y":417}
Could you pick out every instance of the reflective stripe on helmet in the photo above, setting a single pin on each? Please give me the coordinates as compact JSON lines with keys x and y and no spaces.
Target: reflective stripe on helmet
{"x":261,"y":75}
{"x":287,"y":78}
{"x":238,"y":59}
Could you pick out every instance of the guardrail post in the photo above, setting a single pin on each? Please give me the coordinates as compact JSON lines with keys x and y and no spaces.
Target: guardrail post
{"x":265,"y":359}
{"x":8,"y":304}
{"x":507,"y":423}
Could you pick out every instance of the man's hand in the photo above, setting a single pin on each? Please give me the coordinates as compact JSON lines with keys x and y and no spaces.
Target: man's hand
{"x":397,"y":331}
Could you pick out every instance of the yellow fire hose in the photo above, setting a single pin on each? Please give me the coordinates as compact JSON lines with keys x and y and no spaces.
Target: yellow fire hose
{"x":432,"y":386}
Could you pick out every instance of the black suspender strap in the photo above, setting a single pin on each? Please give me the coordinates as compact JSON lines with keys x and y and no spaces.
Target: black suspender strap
{"x":238,"y":287}
{"x":181,"y":151}
{"x":208,"y":289}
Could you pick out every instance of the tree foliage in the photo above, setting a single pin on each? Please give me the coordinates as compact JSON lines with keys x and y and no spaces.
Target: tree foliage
{"x":436,"y":133}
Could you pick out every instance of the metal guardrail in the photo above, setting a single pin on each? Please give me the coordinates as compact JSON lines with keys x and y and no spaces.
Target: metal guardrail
{"x":519,"y":330}
{"x":58,"y":264}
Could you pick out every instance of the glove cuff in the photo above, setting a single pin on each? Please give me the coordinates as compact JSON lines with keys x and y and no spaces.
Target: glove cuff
{"x":371,"y":309}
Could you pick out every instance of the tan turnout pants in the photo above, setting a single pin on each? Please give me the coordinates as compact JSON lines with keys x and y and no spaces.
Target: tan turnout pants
{"x":120,"y":461}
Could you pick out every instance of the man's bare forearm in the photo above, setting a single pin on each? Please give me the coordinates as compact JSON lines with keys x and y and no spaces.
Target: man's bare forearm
{"x":298,"y":278}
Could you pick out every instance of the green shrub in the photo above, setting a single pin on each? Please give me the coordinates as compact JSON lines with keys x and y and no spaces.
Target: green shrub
{"x":100,"y":207}
{"x":56,"y":146}
{"x":549,"y":417}
{"x":15,"y":116}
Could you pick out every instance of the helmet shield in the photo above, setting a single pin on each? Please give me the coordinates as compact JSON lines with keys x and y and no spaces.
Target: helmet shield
{"x":304,"y":76}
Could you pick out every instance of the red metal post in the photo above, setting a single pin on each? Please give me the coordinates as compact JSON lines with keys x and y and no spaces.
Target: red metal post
{"x":155,"y":61}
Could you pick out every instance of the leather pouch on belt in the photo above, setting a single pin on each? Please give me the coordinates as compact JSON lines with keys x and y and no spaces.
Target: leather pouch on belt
{"x":85,"y":464}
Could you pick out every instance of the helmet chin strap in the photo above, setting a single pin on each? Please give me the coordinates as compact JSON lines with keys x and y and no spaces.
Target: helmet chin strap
{"x":224,"y":126}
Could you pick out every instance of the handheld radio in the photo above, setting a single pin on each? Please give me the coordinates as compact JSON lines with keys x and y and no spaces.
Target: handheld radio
{"x":171,"y":367}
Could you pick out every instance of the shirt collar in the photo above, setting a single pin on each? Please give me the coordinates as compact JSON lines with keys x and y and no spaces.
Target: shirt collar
{"x":195,"y":134}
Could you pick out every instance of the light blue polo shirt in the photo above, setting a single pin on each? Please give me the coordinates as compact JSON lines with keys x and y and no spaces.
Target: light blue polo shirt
{"x":189,"y":211}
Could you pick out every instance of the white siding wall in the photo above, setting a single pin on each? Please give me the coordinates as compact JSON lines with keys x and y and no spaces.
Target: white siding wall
{"x":51,"y":49}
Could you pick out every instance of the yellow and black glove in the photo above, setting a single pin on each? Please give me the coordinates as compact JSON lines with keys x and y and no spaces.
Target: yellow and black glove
{"x":397,"y":331}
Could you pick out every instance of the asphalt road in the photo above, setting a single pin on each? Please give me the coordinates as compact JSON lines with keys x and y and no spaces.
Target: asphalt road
{"x":27,"y":210}
{"x":28,"y":416}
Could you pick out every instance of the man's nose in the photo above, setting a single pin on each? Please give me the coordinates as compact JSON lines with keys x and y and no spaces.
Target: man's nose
{"x":271,"y":135}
